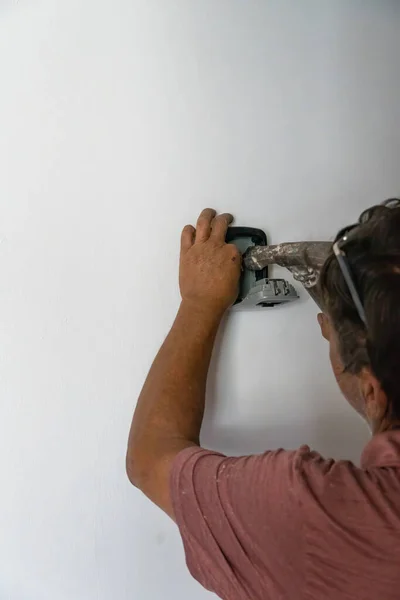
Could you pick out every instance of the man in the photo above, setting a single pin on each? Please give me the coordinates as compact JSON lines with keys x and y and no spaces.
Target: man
{"x":284,"y":524}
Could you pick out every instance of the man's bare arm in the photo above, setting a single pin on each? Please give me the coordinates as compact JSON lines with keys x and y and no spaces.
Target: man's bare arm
{"x":170,"y":408}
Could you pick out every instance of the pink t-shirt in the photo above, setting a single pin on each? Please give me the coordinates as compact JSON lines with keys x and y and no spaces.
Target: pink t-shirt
{"x":292,"y":525}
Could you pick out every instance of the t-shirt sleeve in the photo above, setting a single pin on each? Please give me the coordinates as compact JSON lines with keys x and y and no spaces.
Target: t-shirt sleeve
{"x":240,"y":520}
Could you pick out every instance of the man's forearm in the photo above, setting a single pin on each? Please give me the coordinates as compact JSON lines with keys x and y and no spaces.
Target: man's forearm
{"x":170,"y":408}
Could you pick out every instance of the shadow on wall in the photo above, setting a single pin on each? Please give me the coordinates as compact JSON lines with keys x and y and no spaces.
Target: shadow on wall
{"x":341,"y":439}
{"x":334,"y":429}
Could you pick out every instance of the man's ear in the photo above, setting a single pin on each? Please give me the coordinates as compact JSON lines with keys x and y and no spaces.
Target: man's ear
{"x":374,"y":397}
{"x":325,"y":325}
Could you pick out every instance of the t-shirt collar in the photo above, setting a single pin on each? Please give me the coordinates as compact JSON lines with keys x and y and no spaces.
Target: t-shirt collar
{"x":383,"y":450}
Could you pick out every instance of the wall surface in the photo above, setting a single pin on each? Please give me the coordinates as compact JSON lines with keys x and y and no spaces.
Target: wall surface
{"x":119,"y":121}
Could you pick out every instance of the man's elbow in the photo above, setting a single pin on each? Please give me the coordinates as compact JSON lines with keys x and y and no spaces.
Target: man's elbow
{"x":135,"y":469}
{"x":146,"y":474}
{"x":131,"y":471}
{"x":147,"y":464}
{"x":141,"y":467}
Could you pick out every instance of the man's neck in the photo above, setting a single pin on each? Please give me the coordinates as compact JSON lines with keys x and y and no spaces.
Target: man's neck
{"x":384,"y":425}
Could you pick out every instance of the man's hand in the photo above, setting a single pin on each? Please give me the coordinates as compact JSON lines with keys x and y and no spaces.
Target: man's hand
{"x":209,"y":268}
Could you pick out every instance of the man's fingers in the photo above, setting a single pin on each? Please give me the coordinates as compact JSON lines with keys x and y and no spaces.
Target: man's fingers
{"x":220,"y":226}
{"x":187,"y":237}
{"x":203,"y":226}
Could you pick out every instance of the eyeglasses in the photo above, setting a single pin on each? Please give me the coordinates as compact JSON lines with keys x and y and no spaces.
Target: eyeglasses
{"x":341,"y":257}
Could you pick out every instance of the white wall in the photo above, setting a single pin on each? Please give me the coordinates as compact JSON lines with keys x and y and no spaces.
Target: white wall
{"x":119,"y":121}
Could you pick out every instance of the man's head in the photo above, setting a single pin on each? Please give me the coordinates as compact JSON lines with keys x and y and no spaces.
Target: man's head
{"x":366,"y":357}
